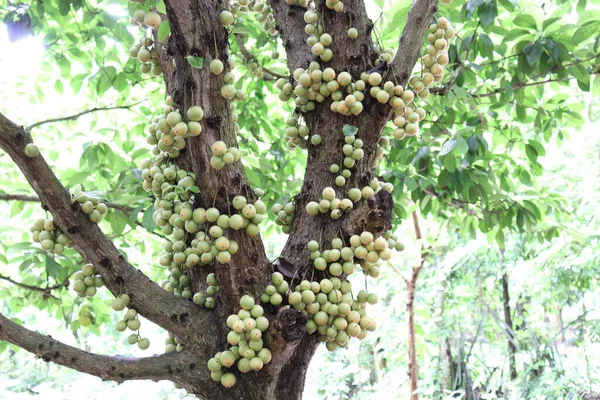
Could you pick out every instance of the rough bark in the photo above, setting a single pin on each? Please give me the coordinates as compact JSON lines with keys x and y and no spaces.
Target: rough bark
{"x":445,"y":348}
{"x":195,"y":31}
{"x":173,"y":366}
{"x":512,"y":349}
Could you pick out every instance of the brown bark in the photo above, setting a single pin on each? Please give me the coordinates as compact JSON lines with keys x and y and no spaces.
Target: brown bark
{"x":512,"y":349}
{"x":195,"y":31}
{"x":445,"y":348}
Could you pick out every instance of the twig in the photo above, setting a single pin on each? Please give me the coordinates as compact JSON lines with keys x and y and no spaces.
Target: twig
{"x":250,"y":57}
{"x":34,"y":199}
{"x":520,"y":86}
{"x":75,"y":116}
{"x":46,"y":291}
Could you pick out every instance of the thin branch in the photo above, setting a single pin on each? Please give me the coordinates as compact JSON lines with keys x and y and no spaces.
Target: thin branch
{"x":520,"y":86}
{"x":46,"y":291}
{"x":250,"y":57}
{"x":75,"y":116}
{"x":409,"y":47}
{"x":463,"y":205}
{"x":120,"y":207}
{"x":172,"y":366}
{"x":169,"y":311}
{"x":34,"y":199}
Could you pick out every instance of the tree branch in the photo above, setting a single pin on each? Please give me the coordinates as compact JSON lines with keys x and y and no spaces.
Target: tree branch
{"x":290,"y":24}
{"x":409,"y":47}
{"x":75,"y":116}
{"x":35,"y":199}
{"x":250,"y":57}
{"x":171,"y":366}
{"x":169,"y":311}
{"x":520,"y":86}
{"x":46,"y":291}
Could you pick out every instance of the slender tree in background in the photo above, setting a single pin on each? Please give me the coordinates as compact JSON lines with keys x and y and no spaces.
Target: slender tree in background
{"x":240,"y":324}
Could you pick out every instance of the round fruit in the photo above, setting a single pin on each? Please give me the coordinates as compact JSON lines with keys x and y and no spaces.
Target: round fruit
{"x":352,"y":33}
{"x":31,"y":150}
{"x":226,"y":19}
{"x":216,"y":67}
{"x":152,"y":19}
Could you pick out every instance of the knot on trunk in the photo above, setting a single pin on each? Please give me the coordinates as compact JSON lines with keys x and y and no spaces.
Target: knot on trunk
{"x":292,"y":324}
{"x":374,"y":216}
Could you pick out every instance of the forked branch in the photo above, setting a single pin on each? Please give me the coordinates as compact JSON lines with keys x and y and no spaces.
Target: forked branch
{"x":171,"y":312}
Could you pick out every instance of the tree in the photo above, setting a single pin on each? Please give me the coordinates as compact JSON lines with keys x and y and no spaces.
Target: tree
{"x":208,"y":205}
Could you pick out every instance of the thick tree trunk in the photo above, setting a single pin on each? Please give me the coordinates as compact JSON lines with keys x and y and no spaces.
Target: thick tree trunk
{"x":512,"y":349}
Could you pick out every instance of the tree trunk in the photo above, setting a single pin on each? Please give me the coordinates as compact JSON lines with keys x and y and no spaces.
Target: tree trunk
{"x":512,"y":349}
{"x":445,"y":348}
{"x":413,"y":366}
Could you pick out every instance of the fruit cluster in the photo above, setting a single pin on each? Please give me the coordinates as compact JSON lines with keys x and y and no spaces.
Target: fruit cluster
{"x":130,"y":321}
{"x":318,"y":39}
{"x":172,"y":344}
{"x":146,"y":50}
{"x":353,"y":152}
{"x":209,"y":299}
{"x":296,"y":135}
{"x":284,"y":214}
{"x":275,"y":291}
{"x":51,"y":238}
{"x":223,"y":155}
{"x":168,"y":133}
{"x":247,"y":349}
{"x":87,"y":281}
{"x":92,"y":206}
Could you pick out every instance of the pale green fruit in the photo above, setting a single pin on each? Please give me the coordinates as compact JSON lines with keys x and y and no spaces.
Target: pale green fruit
{"x":144,"y":343}
{"x":228,"y":380}
{"x":31,"y":150}
{"x":121,"y":326}
{"x":132,"y":339}
{"x":195,"y":113}
{"x":219,"y":148}
{"x":226,"y":19}
{"x":152,"y":19}
{"x":228,"y":91}
{"x":352,"y":33}
{"x":247,"y":302}
{"x":216,"y":66}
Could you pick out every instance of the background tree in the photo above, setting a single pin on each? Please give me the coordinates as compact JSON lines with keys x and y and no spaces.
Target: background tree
{"x":497,"y":73}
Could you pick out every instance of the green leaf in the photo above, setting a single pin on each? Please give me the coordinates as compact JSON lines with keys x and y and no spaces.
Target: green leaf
{"x":196,"y":62}
{"x":349,"y":130}
{"x":164,"y":30}
{"x":447,"y":147}
{"x":52,"y":267}
{"x":117,"y":222}
{"x":584,"y":32}
{"x":488,"y":12}
{"x":461,"y":146}
{"x":64,"y":6}
{"x":533,"y":52}
{"x":525,"y":21}
{"x":160,"y":7}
